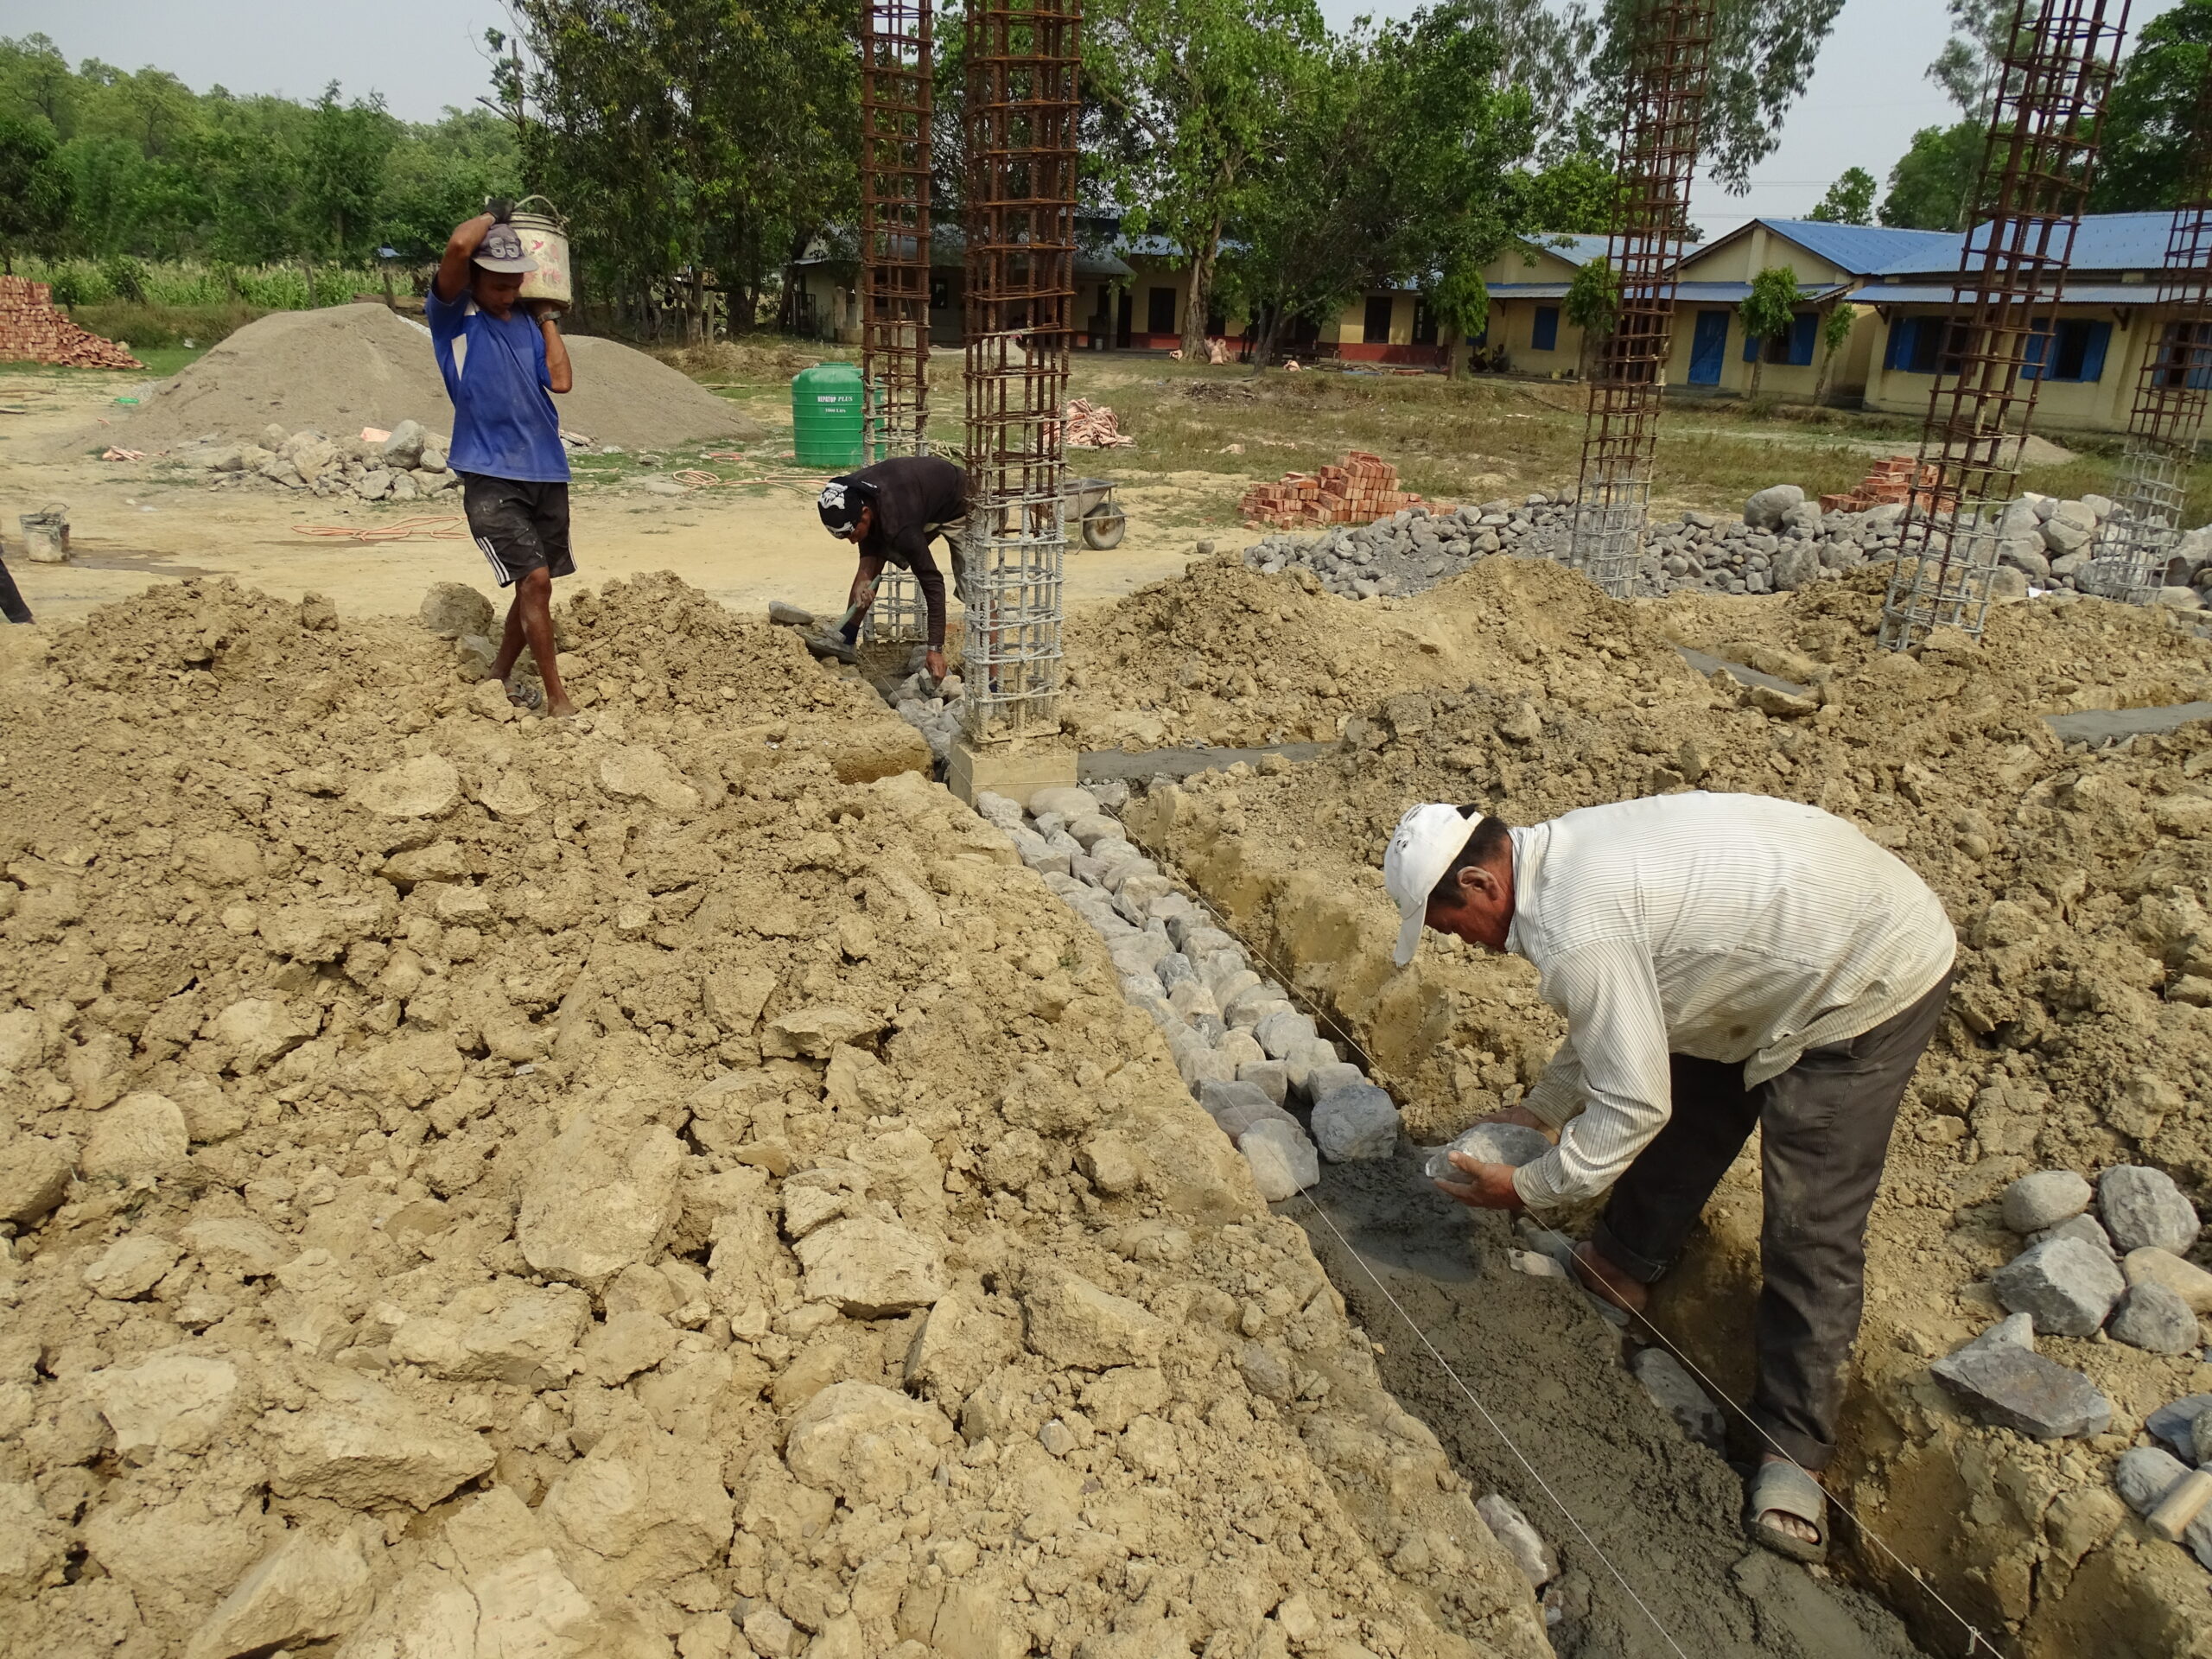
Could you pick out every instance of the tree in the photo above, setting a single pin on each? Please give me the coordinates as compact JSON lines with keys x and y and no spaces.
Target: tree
{"x":1208,"y":86}
{"x":691,"y":139}
{"x":343,"y":173}
{"x":1459,"y":300}
{"x":34,"y":189}
{"x":1593,"y":305}
{"x":1762,"y":58}
{"x":1850,"y":199}
{"x":1971,"y":64}
{"x":1575,"y":194}
{"x":1769,"y":312}
{"x":1836,"y":334}
{"x":1932,"y":185}
{"x":2148,"y":143}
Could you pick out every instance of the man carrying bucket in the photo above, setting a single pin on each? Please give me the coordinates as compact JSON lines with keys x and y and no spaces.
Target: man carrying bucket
{"x":499,"y":365}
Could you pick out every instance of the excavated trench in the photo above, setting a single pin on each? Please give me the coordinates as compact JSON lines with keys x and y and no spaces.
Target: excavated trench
{"x":1645,"y":1520}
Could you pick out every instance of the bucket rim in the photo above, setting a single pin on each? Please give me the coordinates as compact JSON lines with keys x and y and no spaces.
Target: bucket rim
{"x":551,"y":215}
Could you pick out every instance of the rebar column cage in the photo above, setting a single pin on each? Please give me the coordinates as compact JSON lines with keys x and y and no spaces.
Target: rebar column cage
{"x":2138,"y":537}
{"x":895,"y":262}
{"x":1021,"y":122}
{"x":1663,"y":101}
{"x":2034,"y":176}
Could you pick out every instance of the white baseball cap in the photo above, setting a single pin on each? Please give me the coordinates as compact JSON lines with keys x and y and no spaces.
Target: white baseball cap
{"x":1428,"y":839}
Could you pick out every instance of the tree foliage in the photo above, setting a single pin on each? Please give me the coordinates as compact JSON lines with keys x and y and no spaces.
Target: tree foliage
{"x":154,"y":170}
{"x":691,"y":136}
{"x":2150,"y":154}
{"x":1932,"y":185}
{"x":34,"y":190}
{"x":1762,"y":59}
{"x":1769,"y":312}
{"x":1849,"y":200}
{"x":1970,"y":66}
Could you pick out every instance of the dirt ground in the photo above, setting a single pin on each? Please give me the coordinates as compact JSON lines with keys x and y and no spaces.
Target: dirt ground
{"x":129,"y":527}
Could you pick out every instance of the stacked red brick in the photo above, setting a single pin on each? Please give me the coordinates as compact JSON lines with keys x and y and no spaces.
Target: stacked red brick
{"x":32,"y":331}
{"x":1889,"y":484}
{"x":1364,"y":488}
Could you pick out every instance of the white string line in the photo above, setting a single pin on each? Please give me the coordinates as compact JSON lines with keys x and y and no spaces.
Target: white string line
{"x":1976,"y":1641}
{"x":1497,"y":1428}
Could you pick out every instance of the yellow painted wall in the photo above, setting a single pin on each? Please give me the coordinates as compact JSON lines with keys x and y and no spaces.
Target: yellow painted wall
{"x":1739,"y":260}
{"x":2100,"y":405}
{"x":1513,"y":324}
{"x":1523,"y":264}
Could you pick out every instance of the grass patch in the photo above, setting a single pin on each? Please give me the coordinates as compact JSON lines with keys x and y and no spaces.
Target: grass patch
{"x":1207,"y":432}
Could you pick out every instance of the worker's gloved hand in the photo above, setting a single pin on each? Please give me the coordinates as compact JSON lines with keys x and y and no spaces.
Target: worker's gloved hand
{"x":501,"y":208}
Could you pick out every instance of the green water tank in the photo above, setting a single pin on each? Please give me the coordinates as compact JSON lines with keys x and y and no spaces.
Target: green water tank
{"x":827,"y":406}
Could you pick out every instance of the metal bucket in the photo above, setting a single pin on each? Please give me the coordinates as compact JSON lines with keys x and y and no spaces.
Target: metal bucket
{"x":46,"y":536}
{"x":544,"y":238}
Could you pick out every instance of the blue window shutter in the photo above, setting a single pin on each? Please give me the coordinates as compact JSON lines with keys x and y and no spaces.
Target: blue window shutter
{"x":1898,"y":352}
{"x":2093,"y":353}
{"x":2035,"y":352}
{"x":1751,"y":343}
{"x":1545,"y":336}
{"x":1801,"y":337}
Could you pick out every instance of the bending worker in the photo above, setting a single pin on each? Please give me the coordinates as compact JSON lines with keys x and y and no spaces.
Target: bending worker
{"x":1724,"y":963}
{"x":890,"y":512}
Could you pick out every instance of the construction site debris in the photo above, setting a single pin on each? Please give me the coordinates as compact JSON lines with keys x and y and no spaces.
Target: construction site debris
{"x":1360,"y":489}
{"x":46,"y":534}
{"x":343,"y":368}
{"x":32,"y":331}
{"x":1092,"y":426}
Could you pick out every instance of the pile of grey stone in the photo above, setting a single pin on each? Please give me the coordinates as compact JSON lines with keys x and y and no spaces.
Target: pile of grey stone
{"x":1244,"y":1050}
{"x":408,"y":466}
{"x":1781,"y":543}
{"x":934,"y":714}
{"x":2110,"y":1259}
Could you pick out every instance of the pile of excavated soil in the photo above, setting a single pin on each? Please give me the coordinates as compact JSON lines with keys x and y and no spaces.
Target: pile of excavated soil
{"x":474,"y":1185}
{"x":340,"y":369}
{"x":1225,"y":655}
{"x":2080,"y":1037}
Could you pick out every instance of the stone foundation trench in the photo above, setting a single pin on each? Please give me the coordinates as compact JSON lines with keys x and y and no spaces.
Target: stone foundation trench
{"x":1659,"y":1563}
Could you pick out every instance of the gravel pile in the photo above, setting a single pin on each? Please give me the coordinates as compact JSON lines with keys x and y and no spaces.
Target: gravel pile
{"x":1781,"y":543}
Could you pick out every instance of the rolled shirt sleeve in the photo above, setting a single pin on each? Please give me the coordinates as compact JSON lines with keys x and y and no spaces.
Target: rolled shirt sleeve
{"x":1614,"y":1060}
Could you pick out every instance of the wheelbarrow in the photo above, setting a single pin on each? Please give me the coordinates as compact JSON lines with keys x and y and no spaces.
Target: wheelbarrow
{"x":1090,"y":501}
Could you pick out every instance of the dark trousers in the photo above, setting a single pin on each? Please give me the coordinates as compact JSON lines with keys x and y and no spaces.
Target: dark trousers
{"x":1824,"y":1133}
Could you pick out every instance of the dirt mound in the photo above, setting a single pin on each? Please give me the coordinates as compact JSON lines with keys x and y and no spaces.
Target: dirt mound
{"x":1226,"y":655}
{"x":340,"y":369}
{"x":2081,"y":1030}
{"x":620,"y":1185}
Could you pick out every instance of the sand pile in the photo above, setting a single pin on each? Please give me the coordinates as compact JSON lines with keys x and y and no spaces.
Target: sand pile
{"x":2080,"y":1034}
{"x":1226,"y":655}
{"x":344,"y":367}
{"x":622,"y":1190}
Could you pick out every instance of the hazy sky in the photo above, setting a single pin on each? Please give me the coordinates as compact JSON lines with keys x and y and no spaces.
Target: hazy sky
{"x":1867,"y":96}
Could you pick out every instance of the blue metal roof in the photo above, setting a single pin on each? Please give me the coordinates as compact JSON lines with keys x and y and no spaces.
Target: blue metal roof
{"x":1943,"y":294}
{"x":1579,"y":250}
{"x":1864,"y":250}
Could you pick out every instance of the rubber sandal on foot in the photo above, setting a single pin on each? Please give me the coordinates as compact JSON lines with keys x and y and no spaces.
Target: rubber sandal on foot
{"x":1785,"y":1489}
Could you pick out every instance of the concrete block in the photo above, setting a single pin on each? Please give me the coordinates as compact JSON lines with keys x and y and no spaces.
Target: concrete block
{"x":1016,"y":770}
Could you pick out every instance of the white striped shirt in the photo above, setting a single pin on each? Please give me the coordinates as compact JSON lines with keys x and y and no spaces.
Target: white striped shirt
{"x":1735,"y":928}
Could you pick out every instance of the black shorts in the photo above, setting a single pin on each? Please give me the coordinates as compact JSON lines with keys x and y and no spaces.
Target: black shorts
{"x":520,"y":525}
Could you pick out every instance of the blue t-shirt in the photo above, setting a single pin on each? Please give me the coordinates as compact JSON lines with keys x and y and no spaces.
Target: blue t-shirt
{"x":503,"y":421}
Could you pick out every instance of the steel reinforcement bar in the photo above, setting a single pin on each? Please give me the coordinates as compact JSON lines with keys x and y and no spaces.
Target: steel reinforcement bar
{"x":2000,"y":333}
{"x":1664,"y":103}
{"x":2136,"y":539}
{"x":1020,"y":123}
{"x":894,"y":261}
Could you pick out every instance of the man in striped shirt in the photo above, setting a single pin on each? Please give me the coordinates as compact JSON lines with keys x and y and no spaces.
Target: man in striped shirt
{"x":1724,"y":963}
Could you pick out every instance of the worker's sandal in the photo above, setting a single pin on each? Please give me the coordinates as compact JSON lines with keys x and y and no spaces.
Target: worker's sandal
{"x":1785,"y":1489}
